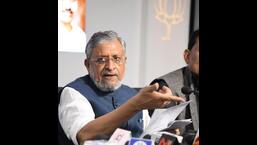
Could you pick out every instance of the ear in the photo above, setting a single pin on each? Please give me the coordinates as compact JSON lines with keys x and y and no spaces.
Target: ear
{"x":187,"y":55}
{"x":86,"y":63}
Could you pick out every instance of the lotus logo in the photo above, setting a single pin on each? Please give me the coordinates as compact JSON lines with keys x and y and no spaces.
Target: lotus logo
{"x":176,"y":16}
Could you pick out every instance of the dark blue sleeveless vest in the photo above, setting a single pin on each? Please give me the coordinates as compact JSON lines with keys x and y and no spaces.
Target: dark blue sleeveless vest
{"x":105,"y":102}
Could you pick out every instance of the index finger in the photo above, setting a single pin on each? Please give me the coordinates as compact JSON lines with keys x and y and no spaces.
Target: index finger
{"x":172,"y":98}
{"x":177,"y":99}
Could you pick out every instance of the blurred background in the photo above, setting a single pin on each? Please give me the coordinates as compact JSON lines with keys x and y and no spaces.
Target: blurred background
{"x":156,"y":33}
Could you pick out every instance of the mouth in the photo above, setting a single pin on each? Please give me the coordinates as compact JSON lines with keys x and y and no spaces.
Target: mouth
{"x":110,"y":75}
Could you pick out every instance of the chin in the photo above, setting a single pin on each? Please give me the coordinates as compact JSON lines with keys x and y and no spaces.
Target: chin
{"x":109,"y":86}
{"x":112,"y":85}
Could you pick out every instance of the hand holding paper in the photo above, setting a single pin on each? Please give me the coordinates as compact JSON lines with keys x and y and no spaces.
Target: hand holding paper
{"x":164,"y":118}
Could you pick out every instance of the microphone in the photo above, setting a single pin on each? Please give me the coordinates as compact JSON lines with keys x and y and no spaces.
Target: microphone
{"x":187,"y":91}
{"x":164,"y":138}
{"x":120,"y":136}
{"x":161,"y":83}
{"x":168,"y":140}
{"x":140,"y":141}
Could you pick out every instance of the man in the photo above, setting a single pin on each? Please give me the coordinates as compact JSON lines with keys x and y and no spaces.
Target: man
{"x":187,"y":76}
{"x":95,"y":105}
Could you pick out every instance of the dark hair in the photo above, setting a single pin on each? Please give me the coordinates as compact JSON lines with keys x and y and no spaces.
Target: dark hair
{"x":192,"y":39}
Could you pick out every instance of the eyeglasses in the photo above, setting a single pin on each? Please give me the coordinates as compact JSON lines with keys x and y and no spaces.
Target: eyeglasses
{"x":103,"y":60}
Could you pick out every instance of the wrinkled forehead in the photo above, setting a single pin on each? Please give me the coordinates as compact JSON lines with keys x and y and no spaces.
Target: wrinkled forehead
{"x":108,"y":48}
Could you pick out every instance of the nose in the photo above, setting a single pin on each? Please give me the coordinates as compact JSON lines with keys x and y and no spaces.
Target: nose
{"x":110,"y":64}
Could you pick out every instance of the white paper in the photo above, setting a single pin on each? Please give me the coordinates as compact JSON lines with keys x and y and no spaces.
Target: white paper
{"x":163,"y":118}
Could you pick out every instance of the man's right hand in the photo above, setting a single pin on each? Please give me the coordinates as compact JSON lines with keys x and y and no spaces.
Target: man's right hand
{"x":150,"y":98}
